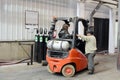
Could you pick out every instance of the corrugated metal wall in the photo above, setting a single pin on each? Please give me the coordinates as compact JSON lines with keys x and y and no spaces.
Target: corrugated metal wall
{"x":12,"y":16}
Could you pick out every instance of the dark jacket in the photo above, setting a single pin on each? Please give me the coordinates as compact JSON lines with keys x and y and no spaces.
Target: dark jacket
{"x":63,"y":34}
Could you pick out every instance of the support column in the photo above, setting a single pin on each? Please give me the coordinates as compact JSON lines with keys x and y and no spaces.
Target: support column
{"x":118,"y":58}
{"x":81,"y":14}
{"x":119,"y":27}
{"x":112,"y":20}
{"x":81,"y":9}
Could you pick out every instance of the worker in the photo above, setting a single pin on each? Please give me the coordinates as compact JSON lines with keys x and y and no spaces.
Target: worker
{"x":64,"y":31}
{"x":90,"y":49}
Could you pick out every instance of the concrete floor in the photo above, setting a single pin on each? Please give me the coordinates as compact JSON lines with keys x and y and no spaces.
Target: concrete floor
{"x":105,"y":70}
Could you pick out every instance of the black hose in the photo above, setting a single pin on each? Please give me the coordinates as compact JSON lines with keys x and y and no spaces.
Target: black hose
{"x":12,"y":62}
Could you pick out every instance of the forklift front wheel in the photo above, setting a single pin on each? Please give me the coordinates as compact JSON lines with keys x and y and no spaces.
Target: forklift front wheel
{"x":68,"y":70}
{"x":49,"y":70}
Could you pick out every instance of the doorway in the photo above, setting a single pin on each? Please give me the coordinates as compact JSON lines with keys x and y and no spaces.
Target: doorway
{"x":101,"y":29}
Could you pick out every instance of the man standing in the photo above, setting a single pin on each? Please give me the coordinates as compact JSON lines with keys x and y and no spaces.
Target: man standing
{"x":90,"y":49}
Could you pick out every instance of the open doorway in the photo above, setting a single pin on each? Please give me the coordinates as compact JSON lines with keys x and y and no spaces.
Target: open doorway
{"x":101,"y":29}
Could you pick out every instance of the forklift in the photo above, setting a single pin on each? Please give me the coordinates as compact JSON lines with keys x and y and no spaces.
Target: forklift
{"x":66,"y":56}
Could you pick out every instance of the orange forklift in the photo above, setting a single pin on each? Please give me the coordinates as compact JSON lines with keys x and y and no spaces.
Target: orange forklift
{"x":66,"y":55}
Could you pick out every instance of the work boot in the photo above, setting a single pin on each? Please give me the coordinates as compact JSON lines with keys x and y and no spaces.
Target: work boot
{"x":91,"y":71}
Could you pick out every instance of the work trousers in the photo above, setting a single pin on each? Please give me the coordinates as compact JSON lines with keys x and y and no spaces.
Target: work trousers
{"x":90,"y":57}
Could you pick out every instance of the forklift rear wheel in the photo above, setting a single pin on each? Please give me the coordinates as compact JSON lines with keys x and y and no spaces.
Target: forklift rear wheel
{"x":49,"y":70}
{"x":68,"y":70}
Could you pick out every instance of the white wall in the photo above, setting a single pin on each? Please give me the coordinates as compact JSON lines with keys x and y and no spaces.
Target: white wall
{"x":12,"y":16}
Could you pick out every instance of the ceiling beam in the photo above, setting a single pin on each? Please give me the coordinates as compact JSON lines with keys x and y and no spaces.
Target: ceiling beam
{"x":94,"y":11}
{"x":104,"y":2}
{"x":115,"y":0}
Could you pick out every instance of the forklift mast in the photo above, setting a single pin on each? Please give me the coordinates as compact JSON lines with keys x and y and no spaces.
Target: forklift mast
{"x":75,"y":21}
